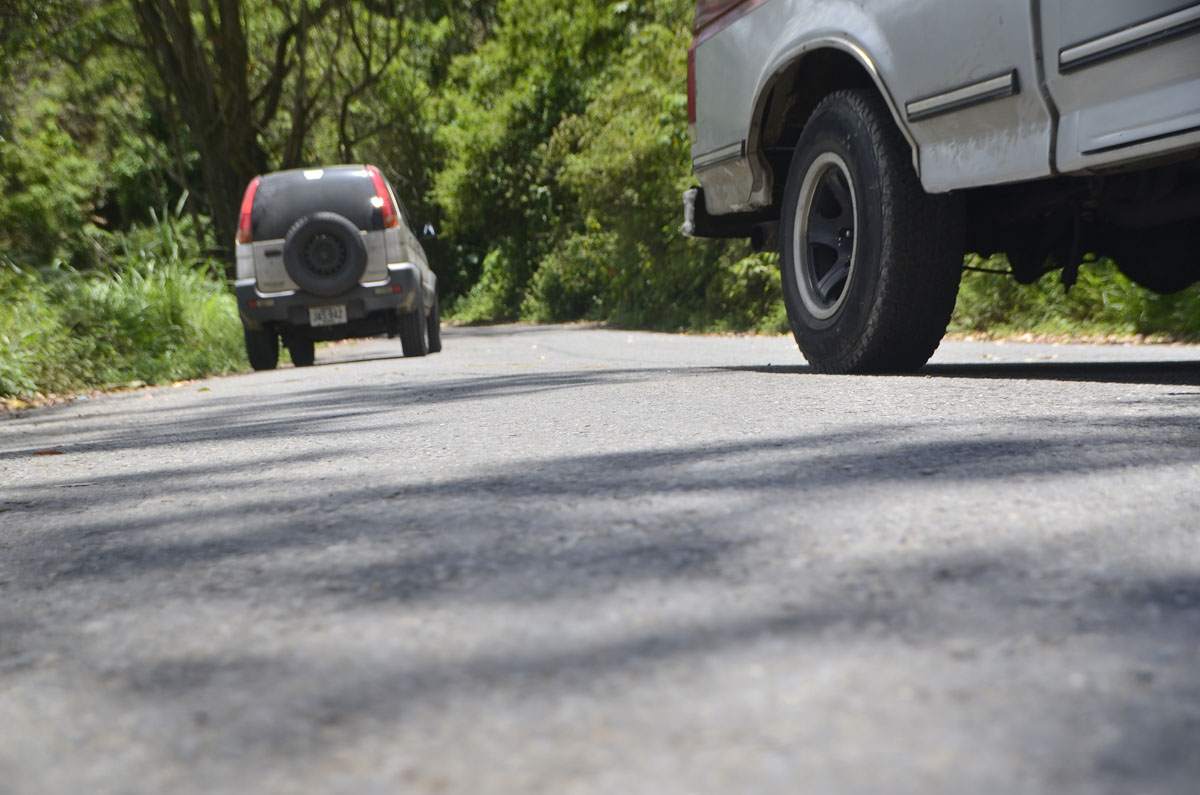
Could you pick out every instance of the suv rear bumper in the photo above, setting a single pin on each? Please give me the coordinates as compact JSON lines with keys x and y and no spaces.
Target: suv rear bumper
{"x":398,"y":294}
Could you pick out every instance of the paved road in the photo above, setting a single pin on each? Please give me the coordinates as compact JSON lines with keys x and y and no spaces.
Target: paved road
{"x":570,"y":560}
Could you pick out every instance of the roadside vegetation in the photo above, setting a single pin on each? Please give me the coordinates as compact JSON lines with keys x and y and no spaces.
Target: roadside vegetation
{"x":1103,"y":304}
{"x":545,"y":139}
{"x":153,"y":313}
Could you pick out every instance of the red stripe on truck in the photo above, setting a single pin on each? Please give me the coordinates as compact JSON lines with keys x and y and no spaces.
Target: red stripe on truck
{"x":712,"y":16}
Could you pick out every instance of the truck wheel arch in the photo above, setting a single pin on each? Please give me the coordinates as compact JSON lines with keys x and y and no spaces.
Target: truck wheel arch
{"x":795,"y":81}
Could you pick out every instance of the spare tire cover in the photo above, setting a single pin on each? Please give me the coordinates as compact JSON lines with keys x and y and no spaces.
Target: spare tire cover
{"x":324,"y":254}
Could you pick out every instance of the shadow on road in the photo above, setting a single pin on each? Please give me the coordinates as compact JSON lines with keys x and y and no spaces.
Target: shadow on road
{"x":581,"y":530}
{"x":1181,"y":373}
{"x":314,"y":409}
{"x":1168,"y":373}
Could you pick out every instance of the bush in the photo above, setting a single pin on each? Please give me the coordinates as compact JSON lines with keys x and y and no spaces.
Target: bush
{"x":156,"y":314}
{"x":747,"y":295}
{"x":1103,"y":302}
{"x":573,"y":280}
{"x":568,"y":173}
{"x":495,"y":295}
{"x":567,"y":151}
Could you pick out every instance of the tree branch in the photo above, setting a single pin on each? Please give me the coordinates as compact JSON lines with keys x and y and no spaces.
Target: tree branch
{"x":271,"y":93}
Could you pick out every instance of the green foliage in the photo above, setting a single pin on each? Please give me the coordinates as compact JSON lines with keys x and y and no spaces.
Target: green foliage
{"x":1103,"y":302}
{"x":494,"y":293}
{"x":748,"y":295}
{"x":78,"y":151}
{"x":567,"y":154}
{"x":500,"y":107}
{"x":547,"y":139}
{"x":155,"y":314}
{"x":48,"y":184}
{"x":573,"y":280}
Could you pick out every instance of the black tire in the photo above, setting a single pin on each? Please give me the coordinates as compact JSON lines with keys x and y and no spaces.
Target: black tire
{"x":262,"y":349}
{"x":434,"y":323}
{"x":414,"y":335}
{"x":324,"y":254}
{"x":303,"y":351}
{"x":871,"y":263}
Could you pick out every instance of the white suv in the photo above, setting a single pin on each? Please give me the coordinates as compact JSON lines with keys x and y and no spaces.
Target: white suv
{"x":327,"y":254}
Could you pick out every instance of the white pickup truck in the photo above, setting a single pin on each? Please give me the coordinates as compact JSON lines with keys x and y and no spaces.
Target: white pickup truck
{"x":874,"y":142}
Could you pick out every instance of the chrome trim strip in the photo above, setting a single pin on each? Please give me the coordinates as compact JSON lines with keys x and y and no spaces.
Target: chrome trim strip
{"x":1138,"y":141}
{"x":868,"y":63}
{"x":997,"y":87}
{"x":1118,"y":42}
{"x":717,"y":156}
{"x":1041,"y":67}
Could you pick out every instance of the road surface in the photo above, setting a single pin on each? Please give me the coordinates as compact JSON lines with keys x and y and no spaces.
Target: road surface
{"x":576,"y":560}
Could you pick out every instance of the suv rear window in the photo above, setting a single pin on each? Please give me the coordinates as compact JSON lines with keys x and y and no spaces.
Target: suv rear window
{"x":287,"y":196}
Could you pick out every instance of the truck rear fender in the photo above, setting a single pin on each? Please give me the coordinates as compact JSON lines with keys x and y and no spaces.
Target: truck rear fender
{"x":799,"y":73}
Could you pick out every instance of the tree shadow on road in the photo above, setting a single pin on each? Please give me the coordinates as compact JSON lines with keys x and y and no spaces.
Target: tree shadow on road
{"x":1166,"y":373}
{"x":711,"y":555}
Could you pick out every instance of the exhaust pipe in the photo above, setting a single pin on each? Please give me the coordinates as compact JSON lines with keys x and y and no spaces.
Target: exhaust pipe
{"x":765,"y":236}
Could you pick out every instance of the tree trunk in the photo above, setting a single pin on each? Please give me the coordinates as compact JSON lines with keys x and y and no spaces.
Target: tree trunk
{"x":211,"y":97}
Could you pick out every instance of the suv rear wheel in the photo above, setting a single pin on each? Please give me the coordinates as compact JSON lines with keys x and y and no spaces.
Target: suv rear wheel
{"x":871,"y":262}
{"x":434,"y":324}
{"x":262,"y":349}
{"x":414,"y":336}
{"x":303,"y":351}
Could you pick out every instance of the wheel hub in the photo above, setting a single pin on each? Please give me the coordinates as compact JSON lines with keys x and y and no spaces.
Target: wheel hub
{"x":325,"y":255}
{"x":824,"y":241}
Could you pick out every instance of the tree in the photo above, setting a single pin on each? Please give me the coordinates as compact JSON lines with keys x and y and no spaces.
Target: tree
{"x":209,"y":93}
{"x":499,"y":189}
{"x":58,"y":121}
{"x":266,"y":84}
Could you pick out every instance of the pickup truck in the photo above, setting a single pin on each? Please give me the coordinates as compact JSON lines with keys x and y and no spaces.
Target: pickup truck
{"x":875,"y":142}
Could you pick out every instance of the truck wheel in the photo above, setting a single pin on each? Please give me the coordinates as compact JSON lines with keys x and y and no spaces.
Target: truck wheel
{"x":871,"y":263}
{"x":262,"y":349}
{"x":413,"y":332}
{"x":435,"y":327}
{"x":302,"y":351}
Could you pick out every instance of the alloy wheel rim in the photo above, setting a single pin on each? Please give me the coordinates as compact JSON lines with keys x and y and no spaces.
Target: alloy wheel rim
{"x":824,"y":242}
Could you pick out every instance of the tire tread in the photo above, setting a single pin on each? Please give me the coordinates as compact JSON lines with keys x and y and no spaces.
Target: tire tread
{"x":921,"y":250}
{"x":414,"y":336}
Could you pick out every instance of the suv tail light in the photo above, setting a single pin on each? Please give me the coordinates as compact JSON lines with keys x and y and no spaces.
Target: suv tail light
{"x":244,"y":233}
{"x":386,"y":205}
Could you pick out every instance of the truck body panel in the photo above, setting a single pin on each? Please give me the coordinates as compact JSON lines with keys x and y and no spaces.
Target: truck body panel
{"x":1125,"y":78}
{"x":986,"y":93}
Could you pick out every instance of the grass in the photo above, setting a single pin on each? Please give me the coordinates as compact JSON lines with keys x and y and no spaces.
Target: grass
{"x":157,"y":314}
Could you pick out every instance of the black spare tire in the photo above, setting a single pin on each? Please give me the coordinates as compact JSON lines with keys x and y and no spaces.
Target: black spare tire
{"x":324,"y":254}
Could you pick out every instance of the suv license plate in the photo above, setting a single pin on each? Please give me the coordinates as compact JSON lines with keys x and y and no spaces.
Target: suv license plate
{"x":327,"y":315}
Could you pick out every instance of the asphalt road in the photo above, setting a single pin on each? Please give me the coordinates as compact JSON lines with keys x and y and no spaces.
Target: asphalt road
{"x":571,"y":560}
